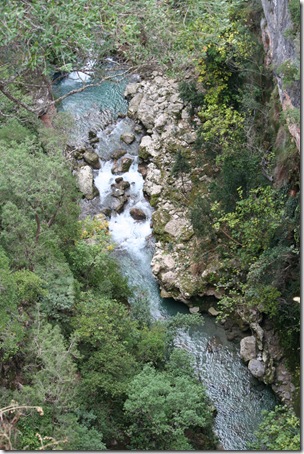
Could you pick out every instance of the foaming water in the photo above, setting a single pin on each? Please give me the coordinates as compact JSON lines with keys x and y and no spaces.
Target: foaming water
{"x":237,"y":396}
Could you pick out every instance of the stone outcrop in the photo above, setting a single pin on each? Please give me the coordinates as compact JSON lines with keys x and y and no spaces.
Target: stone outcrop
{"x":280,"y":49}
{"x":127,"y":138}
{"x":156,"y":105}
{"x":265,"y":356}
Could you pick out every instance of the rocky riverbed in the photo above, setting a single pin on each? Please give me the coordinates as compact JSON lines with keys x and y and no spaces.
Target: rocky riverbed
{"x":159,"y":123}
{"x":155,"y":104}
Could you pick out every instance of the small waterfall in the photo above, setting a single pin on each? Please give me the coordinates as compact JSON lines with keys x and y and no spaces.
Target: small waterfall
{"x":237,"y":396}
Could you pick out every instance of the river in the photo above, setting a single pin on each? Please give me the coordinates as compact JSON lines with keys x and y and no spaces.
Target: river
{"x":238,"y":397}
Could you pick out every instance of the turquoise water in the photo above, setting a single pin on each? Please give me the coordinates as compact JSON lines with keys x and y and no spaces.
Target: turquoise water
{"x":237,"y":396}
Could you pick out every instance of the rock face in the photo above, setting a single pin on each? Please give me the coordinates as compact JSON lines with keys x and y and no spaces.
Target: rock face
{"x":122,"y":165}
{"x":280,"y":49}
{"x":156,"y":105}
{"x":265,"y":356}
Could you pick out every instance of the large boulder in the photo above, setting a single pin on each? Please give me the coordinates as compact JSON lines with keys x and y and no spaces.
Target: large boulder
{"x":131,"y":89}
{"x":248,"y":348}
{"x":178,"y":227}
{"x":85,"y":181}
{"x":145,"y":112}
{"x":92,"y":159}
{"x":145,"y":146}
{"x":134,"y":104}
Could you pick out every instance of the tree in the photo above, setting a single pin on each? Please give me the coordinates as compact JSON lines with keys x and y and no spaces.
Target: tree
{"x":37,"y":202}
{"x":40,"y":37}
{"x":161,"y":407}
{"x":10,"y":319}
{"x":50,"y":380}
{"x":279,"y":431}
{"x":107,"y":337}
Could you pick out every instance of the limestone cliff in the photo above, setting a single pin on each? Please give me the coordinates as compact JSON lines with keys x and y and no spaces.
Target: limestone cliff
{"x":156,"y":104}
{"x":281,"y":48}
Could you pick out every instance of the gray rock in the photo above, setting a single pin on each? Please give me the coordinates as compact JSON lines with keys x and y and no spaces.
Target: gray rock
{"x":116,"y":154}
{"x":127,"y":137}
{"x":144,"y":147}
{"x":176,"y":227}
{"x":248,"y":348}
{"x":85,"y":181}
{"x":256,"y":367}
{"x":118,"y":192}
{"x":120,"y":206}
{"x":94,"y":140}
{"x":131,"y":89}
{"x":134,"y":105}
{"x":121,"y":184}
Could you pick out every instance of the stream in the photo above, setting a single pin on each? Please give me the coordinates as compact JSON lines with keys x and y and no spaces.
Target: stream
{"x":238,"y":397}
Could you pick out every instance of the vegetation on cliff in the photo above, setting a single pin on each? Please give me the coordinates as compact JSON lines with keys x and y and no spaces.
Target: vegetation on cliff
{"x":75,"y":356}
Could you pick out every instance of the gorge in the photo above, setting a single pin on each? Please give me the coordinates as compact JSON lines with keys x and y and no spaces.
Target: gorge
{"x":149,"y":225}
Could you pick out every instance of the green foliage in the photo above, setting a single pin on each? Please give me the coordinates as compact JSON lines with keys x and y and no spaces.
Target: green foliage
{"x":55,"y":139}
{"x":93,"y":267}
{"x":201,"y":218}
{"x":290,"y":71}
{"x":30,"y":287}
{"x":240,"y":169}
{"x":140,"y":309}
{"x":180,"y":167}
{"x":279,"y":431}
{"x":152,"y":345}
{"x":36,"y":36}
{"x":60,"y":289}
{"x":107,"y":336}
{"x":181,"y":164}
{"x":160,"y":408}
{"x":51,"y":381}
{"x":253,"y":223}
{"x":295,"y":12}
{"x":37,"y":203}
{"x":13,"y":131}
{"x":10,"y":319}
{"x":52,"y":368}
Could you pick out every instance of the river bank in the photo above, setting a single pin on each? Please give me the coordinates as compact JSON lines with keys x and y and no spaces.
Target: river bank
{"x":129,"y":171}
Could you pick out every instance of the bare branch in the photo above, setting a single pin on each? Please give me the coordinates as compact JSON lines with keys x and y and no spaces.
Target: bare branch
{"x":96,"y":84}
